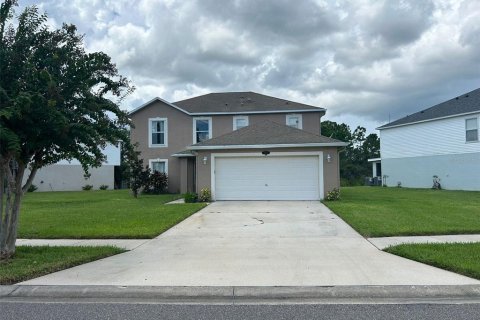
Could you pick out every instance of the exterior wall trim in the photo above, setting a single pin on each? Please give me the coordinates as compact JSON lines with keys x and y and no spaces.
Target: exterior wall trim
{"x":235,"y":118}
{"x":150,"y":144}
{"x":428,"y":120}
{"x":265,"y":146}
{"x":158,"y":160}
{"x":300,"y":119}
{"x":272,"y":154}
{"x":194,"y":128}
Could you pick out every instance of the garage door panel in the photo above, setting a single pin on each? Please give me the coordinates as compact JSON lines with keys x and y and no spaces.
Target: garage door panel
{"x":267,"y":178}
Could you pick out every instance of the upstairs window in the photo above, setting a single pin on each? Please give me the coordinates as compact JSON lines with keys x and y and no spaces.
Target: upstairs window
{"x":294,"y":120}
{"x":471,"y":129}
{"x":157,"y":132}
{"x":240,"y":122}
{"x":202,"y":129}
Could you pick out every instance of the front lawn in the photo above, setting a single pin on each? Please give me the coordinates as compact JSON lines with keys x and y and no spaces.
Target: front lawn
{"x":99,"y":214}
{"x":463,"y":258}
{"x":381,"y":212}
{"x":33,"y":262}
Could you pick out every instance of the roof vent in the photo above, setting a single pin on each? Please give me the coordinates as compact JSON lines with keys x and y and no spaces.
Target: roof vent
{"x":456,"y":98}
{"x":286,"y":102}
{"x":249,"y":100}
{"x":466,"y":96}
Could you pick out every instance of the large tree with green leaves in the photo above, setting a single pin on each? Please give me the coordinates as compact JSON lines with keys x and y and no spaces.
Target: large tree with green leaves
{"x":56,"y":102}
{"x":354,"y":166}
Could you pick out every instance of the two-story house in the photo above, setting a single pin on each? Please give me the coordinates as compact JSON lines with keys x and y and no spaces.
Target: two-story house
{"x":240,"y":145}
{"x":439,"y":141}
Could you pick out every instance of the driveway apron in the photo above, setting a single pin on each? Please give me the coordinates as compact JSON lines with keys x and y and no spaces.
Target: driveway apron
{"x":256,"y":243}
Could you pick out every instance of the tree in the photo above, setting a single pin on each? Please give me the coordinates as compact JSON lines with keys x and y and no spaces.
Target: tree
{"x":371,"y":146}
{"x":55,"y":103}
{"x":336,"y":131}
{"x":354,"y":158}
{"x":133,"y":169}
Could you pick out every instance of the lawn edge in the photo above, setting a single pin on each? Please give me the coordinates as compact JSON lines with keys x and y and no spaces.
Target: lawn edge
{"x":117,"y":237}
{"x":463,"y":272}
{"x":40,"y":273}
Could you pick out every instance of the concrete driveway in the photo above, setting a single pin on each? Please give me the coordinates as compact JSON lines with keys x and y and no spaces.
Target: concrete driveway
{"x":257,"y":243}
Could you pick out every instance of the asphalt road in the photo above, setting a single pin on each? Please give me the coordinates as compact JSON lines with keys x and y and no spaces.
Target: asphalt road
{"x":93,"y":311}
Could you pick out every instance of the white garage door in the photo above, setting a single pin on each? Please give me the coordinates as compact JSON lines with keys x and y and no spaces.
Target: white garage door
{"x":267,"y":178}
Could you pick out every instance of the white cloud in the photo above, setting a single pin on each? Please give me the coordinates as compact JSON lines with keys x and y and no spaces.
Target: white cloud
{"x":363,"y":60}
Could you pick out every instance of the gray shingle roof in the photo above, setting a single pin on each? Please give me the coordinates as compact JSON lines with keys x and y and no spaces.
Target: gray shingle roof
{"x":267,"y":133}
{"x":235,"y":102}
{"x":466,"y":103}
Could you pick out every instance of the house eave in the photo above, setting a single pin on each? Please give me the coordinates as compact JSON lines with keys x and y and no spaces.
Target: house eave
{"x":268,"y":146}
{"x":427,"y":120}
{"x":177,"y":155}
{"x":255,"y":112}
{"x":220,"y":113}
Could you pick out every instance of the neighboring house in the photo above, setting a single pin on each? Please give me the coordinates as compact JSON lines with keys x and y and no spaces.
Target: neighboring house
{"x":240,"y":145}
{"x":69,"y":175}
{"x":442,"y":140}
{"x":376,"y":178}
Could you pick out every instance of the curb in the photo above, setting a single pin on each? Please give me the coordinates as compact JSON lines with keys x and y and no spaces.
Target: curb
{"x":313,"y":294}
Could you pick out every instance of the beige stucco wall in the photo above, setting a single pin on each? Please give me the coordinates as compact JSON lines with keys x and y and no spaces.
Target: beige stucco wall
{"x":223,"y":124}
{"x":179,"y":131}
{"x":331,"y":170}
{"x":180,"y":134}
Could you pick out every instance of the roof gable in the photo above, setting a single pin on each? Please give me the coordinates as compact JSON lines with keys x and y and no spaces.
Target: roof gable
{"x":464,"y":104}
{"x":267,"y":133}
{"x":146,"y":104}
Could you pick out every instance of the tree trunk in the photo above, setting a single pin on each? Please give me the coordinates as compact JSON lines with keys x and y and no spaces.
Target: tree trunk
{"x":11,"y":194}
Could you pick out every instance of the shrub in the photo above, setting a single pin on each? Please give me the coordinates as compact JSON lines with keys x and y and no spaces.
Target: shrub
{"x":333,"y":195}
{"x":436,"y":183}
{"x":137,"y":174}
{"x":157,"y":183}
{"x":87,"y":187}
{"x":205,"y":195}
{"x":190,"y":197}
{"x":32,"y":188}
{"x":103,"y":187}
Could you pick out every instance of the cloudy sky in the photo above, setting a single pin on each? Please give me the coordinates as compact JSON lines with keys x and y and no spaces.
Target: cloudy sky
{"x":364,"y":61}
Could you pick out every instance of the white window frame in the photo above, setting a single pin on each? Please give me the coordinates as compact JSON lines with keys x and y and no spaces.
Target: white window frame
{"x":194,"y":127}
{"x":235,"y":118}
{"x":299,"y":116}
{"x":476,"y":120}
{"x":165,"y":140}
{"x":151,"y":161}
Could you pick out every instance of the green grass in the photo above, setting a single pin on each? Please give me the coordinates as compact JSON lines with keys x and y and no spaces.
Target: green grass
{"x":463,"y":258}
{"x":380,"y":212}
{"x":32,"y":262}
{"x":99,"y":214}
